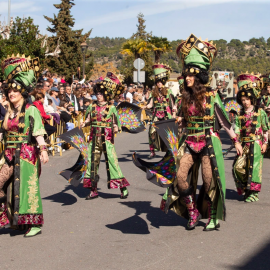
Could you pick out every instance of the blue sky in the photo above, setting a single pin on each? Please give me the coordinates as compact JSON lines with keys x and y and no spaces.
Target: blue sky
{"x":174,"y":19}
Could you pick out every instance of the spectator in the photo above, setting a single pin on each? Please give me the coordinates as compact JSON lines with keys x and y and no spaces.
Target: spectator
{"x":55,"y":89}
{"x":140,"y":94}
{"x":93,"y":96}
{"x":121,"y":98}
{"x":46,"y":87}
{"x":79,"y":98}
{"x":129,"y":95}
{"x":77,"y":82}
{"x":91,"y":83}
{"x":54,"y":95}
{"x":128,"y":100}
{"x":136,"y":99}
{"x":4,"y":102}
{"x":71,"y":98}
{"x":49,"y":108}
{"x":86,"y":104}
{"x":65,"y":114}
{"x":63,"y":77}
{"x":54,"y":77}
{"x":62,"y":94}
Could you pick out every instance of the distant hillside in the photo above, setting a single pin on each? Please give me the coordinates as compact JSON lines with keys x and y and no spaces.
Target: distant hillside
{"x":233,"y":56}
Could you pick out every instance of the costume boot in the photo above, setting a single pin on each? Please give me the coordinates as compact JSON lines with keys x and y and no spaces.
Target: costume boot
{"x":252,"y":196}
{"x":124,"y":193}
{"x":193,"y":213}
{"x":4,"y":222}
{"x":152,"y":151}
{"x":93,"y":189}
{"x":212,"y":223}
{"x":33,"y":231}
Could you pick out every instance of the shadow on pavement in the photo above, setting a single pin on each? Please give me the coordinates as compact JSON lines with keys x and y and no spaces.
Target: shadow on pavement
{"x":231,"y":194}
{"x":128,"y":157}
{"x":68,"y":199}
{"x":62,"y":197}
{"x":12,"y":233}
{"x":259,"y":261}
{"x":137,"y":225}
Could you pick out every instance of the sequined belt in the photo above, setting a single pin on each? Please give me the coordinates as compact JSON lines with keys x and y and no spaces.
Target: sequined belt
{"x":161,"y":107}
{"x":198,"y":127}
{"x":200,"y":118}
{"x":251,"y":138}
{"x":14,"y":138}
{"x":102,"y":124}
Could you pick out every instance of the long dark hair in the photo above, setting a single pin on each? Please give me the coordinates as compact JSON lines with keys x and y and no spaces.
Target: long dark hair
{"x":163,"y":90}
{"x":197,"y":95}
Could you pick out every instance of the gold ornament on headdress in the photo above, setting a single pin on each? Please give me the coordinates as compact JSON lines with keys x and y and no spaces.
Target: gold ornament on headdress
{"x":206,"y":47}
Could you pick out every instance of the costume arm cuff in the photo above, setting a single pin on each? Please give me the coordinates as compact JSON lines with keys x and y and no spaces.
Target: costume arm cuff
{"x":235,"y":140}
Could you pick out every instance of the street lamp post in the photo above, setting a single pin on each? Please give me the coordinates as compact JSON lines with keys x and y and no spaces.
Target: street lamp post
{"x":84,"y":47}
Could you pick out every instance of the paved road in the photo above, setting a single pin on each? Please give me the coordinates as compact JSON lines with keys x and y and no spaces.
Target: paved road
{"x":109,"y":233}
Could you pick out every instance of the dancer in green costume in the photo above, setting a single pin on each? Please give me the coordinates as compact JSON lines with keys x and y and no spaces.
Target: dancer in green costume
{"x":252,"y":129}
{"x":104,"y":123}
{"x":162,"y":101}
{"x":22,"y":131}
{"x":202,"y":115}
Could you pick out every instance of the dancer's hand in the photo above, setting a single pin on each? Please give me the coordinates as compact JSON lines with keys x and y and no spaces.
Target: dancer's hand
{"x":44,"y":157}
{"x":239,"y":149}
{"x":264,"y":148}
{"x":179,"y":120}
{"x":82,"y":125}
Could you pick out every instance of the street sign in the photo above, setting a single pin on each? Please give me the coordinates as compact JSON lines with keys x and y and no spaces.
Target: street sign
{"x":141,"y":76}
{"x":139,"y":64}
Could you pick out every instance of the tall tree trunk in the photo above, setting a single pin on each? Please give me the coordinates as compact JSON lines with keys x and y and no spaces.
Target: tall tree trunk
{"x":157,"y":57}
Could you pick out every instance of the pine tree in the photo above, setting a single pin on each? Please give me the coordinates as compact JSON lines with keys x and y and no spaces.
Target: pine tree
{"x":70,"y":57}
{"x":24,"y":39}
{"x":137,"y":46}
{"x":141,"y":32}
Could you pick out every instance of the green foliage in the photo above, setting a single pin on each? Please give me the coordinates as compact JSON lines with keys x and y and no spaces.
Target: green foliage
{"x":23,"y":40}
{"x":141,"y":32}
{"x":160,"y":46}
{"x":70,"y":57}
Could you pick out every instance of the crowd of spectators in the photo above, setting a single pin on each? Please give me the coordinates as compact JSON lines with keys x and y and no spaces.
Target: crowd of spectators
{"x":58,"y":100}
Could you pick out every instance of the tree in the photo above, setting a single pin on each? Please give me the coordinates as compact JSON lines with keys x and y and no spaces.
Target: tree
{"x":24,"y":39}
{"x":141,"y":33}
{"x":70,"y":57}
{"x":160,"y":45}
{"x":136,"y":48}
